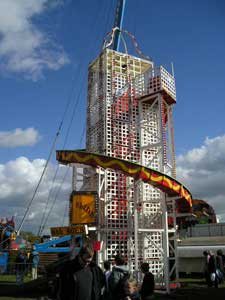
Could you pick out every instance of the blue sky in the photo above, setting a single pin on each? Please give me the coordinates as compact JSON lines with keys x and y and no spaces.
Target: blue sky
{"x":45,"y":48}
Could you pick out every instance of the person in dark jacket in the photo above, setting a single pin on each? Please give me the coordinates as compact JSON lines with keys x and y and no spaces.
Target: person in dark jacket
{"x":148,"y":283}
{"x":118,"y":275}
{"x":21,"y":264}
{"x":107,"y":272}
{"x":80,"y":279}
{"x":98,"y":281}
{"x":206,"y":267}
{"x":220,"y":272}
{"x":212,"y":270}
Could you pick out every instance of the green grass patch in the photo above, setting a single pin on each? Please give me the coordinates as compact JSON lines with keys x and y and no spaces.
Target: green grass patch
{"x":12,"y":278}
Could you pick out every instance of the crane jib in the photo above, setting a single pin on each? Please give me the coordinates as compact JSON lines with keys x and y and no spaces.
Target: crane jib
{"x":118,"y":23}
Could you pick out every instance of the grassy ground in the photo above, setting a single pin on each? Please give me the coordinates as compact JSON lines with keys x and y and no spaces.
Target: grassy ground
{"x":191,"y":289}
{"x":12,"y":278}
{"x":10,"y":298}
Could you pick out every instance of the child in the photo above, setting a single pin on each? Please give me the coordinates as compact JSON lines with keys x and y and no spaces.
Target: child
{"x":130,"y":290}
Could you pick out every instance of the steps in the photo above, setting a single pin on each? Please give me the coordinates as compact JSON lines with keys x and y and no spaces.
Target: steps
{"x":46,"y":259}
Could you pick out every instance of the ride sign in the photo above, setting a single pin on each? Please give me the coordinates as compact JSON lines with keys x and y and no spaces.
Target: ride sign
{"x":82,"y":208}
{"x":68,"y":230}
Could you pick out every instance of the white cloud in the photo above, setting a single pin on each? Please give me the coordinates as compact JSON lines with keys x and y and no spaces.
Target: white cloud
{"x":18,"y":180}
{"x":24,"y":48}
{"x":202,"y":171}
{"x":19,"y":137}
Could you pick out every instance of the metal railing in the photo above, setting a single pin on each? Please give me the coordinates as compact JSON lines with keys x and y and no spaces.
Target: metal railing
{"x":19,"y":273}
{"x":155,"y":80}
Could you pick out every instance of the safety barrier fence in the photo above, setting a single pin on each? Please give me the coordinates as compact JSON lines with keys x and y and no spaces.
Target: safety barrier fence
{"x":18,"y":273}
{"x":203,"y":230}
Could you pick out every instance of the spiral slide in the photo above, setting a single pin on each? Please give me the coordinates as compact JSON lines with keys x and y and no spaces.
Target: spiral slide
{"x":163,"y":182}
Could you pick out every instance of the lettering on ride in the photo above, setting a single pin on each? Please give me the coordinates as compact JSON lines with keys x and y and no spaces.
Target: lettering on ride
{"x":62,"y":231}
{"x":85,"y":208}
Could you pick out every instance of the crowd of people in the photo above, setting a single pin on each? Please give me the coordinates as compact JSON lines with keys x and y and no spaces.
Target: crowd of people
{"x":214,"y":268}
{"x":82,"y":279}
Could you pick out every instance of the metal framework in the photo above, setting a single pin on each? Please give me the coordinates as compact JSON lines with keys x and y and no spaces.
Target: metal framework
{"x":129,"y":116}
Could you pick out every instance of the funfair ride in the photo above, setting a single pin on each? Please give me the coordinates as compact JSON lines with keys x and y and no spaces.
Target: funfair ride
{"x":130,"y":131}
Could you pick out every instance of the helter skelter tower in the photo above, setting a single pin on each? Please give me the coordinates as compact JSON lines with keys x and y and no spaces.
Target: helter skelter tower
{"x":130,"y":132}
{"x":129,"y":116}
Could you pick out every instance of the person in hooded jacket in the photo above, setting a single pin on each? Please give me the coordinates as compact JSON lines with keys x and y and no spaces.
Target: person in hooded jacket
{"x":117,"y":277}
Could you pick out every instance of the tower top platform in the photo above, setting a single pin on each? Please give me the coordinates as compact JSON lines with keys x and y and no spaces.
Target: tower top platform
{"x":157,"y":80}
